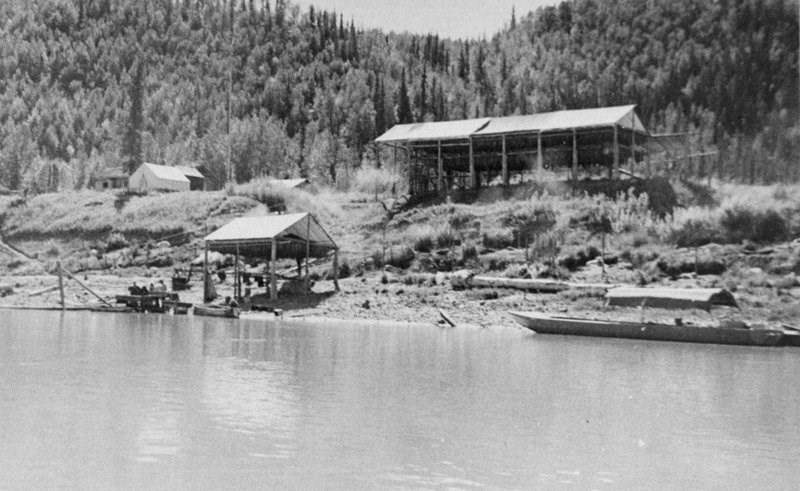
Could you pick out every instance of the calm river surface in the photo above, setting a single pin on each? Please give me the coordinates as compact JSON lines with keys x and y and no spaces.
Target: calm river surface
{"x":149,"y":401}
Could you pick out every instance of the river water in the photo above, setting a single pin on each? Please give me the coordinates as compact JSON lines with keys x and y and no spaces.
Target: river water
{"x":151,"y":401}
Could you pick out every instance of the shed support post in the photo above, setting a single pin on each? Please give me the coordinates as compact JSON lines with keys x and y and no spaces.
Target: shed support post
{"x":647,"y":160}
{"x":308,"y":249}
{"x":633,"y":150}
{"x":206,"y":278}
{"x":440,"y":168}
{"x":236,"y":286}
{"x":505,"y":162}
{"x":273,"y":279}
{"x":409,"y":169}
{"x":336,"y":269}
{"x":615,"y":169}
{"x":473,"y":178}
{"x":61,"y":284}
{"x":574,"y":155}
{"x":539,"y":163}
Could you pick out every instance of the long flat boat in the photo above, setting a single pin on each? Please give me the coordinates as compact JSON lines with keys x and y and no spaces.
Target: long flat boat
{"x":206,"y":311}
{"x":687,"y":333}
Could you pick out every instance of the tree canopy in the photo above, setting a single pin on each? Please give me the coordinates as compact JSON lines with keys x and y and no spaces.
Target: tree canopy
{"x":91,"y":84}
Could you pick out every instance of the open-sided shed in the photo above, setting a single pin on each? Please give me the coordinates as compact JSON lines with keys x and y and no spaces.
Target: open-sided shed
{"x":442,"y":155}
{"x":295,"y":235}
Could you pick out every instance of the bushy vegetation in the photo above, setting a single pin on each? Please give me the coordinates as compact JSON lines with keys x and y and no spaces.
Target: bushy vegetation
{"x":128,"y":81}
{"x":91,"y":214}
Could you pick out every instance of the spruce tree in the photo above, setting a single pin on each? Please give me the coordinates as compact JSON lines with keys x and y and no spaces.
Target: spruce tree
{"x":403,"y":105}
{"x":132,"y":143}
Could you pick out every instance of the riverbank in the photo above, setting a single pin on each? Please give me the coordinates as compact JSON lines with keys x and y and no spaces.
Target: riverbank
{"x":421,"y":298}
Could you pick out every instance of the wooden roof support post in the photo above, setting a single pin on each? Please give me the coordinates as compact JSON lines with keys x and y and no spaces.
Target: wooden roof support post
{"x":615,"y":169}
{"x":236,"y":287}
{"x":336,"y":269}
{"x":440,"y":167}
{"x":505,"y":162}
{"x":206,"y":279}
{"x":61,"y":284}
{"x":633,"y":150}
{"x":539,"y":157}
{"x":473,"y":178}
{"x":273,"y":274}
{"x":308,"y":249}
{"x":647,"y":160}
{"x":408,"y":169}
{"x":574,"y":155}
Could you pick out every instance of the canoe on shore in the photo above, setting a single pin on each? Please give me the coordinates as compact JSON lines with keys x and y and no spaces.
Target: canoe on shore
{"x":687,"y":333}
{"x":206,"y":311}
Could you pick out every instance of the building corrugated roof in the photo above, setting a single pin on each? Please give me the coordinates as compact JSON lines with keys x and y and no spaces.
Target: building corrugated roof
{"x":253,"y":234}
{"x":624,"y":116}
{"x":670,"y":298}
{"x":566,"y":120}
{"x":289,"y":183}
{"x":113,"y":173}
{"x":438,"y":130}
{"x":190,"y":171}
{"x":166,"y":173}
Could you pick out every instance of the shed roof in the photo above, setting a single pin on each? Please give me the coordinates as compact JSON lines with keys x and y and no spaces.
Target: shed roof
{"x":190,"y":171}
{"x":438,"y":130}
{"x":671,"y":298}
{"x":113,"y":173}
{"x":624,"y":116}
{"x":289,"y":183}
{"x":166,"y":173}
{"x":254,"y":236}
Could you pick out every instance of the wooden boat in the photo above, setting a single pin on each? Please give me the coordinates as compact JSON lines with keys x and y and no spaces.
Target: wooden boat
{"x":212,"y":311}
{"x":688,"y":333}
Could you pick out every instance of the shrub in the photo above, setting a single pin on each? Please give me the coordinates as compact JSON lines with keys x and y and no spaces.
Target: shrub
{"x":770,"y":227}
{"x":695,"y":233}
{"x":116,"y":241}
{"x":447,"y":239}
{"x":498,"y":240}
{"x":423,"y":243}
{"x":738,"y":223}
{"x":469,"y":252}
{"x":531,"y":218}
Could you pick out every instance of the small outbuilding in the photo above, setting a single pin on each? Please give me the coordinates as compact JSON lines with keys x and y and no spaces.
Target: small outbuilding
{"x":197,"y":182}
{"x":291,"y":236}
{"x":152,"y":177}
{"x":114,"y":178}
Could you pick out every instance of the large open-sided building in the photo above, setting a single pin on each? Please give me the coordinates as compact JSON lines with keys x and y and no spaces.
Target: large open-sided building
{"x":468,"y":154}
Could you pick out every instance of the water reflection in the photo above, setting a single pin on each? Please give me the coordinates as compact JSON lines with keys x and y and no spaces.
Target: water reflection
{"x":175,"y":401}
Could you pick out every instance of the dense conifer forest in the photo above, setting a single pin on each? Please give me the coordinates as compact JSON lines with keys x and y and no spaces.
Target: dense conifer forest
{"x":87,"y":85}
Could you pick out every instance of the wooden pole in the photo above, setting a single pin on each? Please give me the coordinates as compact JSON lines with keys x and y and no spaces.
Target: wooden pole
{"x":411,"y":188}
{"x":70,"y":275}
{"x":505,"y":163}
{"x":61,"y":284}
{"x":236,"y":274}
{"x":615,"y":169}
{"x":336,"y":269}
{"x":574,"y":155}
{"x":308,"y":248}
{"x":440,"y":167}
{"x":473,"y":181}
{"x":273,"y":280}
{"x":206,"y":279}
{"x":539,"y":157}
{"x":633,"y":150}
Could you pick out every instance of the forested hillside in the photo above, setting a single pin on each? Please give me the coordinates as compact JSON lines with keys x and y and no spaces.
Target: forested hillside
{"x":91,"y":84}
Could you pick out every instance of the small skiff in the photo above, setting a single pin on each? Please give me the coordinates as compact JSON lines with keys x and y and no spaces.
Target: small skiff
{"x":687,"y":333}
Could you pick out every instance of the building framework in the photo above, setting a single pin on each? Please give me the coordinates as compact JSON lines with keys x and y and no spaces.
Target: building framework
{"x":467,"y":154}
